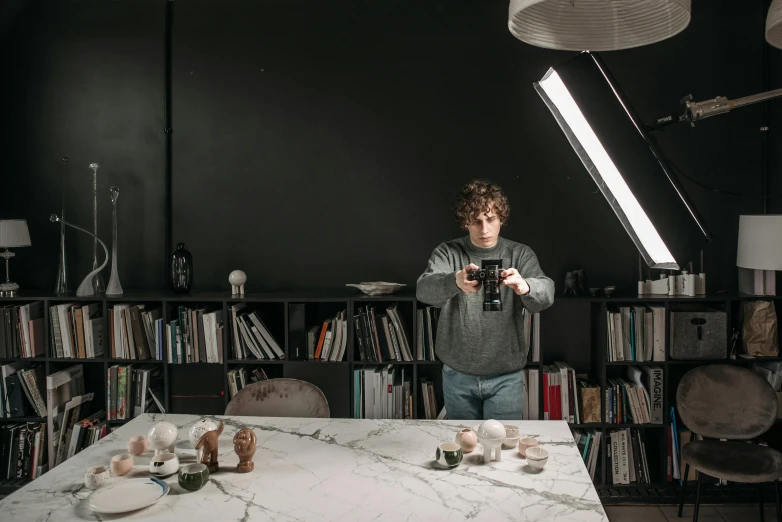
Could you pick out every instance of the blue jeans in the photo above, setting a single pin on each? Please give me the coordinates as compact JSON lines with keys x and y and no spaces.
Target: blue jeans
{"x":468,"y":397}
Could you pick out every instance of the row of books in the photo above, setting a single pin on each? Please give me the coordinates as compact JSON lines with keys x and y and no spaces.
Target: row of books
{"x":532,"y":334}
{"x":195,"y":336}
{"x":569,"y":397}
{"x":383,"y":337}
{"x":426,"y":328}
{"x":240,"y":377}
{"x":22,"y":451}
{"x":22,"y":390}
{"x":588,"y":443}
{"x":383,"y":392}
{"x":133,"y":390}
{"x":135,"y":333}
{"x":250,"y":337}
{"x":530,"y":408}
{"x":84,"y":433}
{"x":21,"y":330}
{"x":76,"y":330}
{"x":429,"y":399}
{"x":636,"y":333}
{"x":329,"y":341}
{"x":626,"y":451}
{"x":638,"y":400}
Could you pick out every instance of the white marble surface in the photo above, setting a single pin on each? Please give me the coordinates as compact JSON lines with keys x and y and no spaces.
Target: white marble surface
{"x":335,"y":469}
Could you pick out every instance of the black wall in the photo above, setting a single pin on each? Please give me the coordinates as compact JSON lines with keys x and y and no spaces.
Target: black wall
{"x":316,"y":145}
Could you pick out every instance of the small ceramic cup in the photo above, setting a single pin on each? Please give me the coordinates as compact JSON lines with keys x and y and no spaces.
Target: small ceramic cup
{"x":121,"y":464}
{"x":449,"y":454}
{"x":164,"y":464}
{"x":192,"y":477}
{"x":137,"y":445}
{"x":537,"y":457}
{"x":525,"y":444}
{"x":96,"y":477}
{"x":511,"y":436}
{"x":467,"y":439}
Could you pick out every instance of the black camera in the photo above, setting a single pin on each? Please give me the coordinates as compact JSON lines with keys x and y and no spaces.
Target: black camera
{"x":489,"y":276}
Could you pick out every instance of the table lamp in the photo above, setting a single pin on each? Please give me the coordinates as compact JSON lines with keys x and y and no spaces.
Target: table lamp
{"x":13,"y":233}
{"x":759,"y":253}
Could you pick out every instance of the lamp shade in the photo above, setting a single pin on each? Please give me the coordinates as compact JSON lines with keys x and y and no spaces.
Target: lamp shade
{"x":760,"y":242}
{"x":596,"y":25}
{"x":774,"y":24}
{"x":624,"y":161}
{"x":14,"y":233}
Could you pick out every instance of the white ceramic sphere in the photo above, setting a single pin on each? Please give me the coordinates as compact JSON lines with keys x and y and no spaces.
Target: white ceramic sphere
{"x":491,"y":429}
{"x":237,"y":278}
{"x":162,"y":435}
{"x":198,"y":429}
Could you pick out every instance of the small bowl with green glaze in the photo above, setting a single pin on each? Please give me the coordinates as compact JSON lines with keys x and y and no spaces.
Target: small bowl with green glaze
{"x":192,"y":477}
{"x":449,"y":454}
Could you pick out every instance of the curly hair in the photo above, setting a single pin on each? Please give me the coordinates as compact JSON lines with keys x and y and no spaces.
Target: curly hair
{"x":477,"y":196}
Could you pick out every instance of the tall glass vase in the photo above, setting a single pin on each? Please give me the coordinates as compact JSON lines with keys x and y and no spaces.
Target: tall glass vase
{"x":114,"y":288}
{"x":62,"y":272}
{"x":97,"y":281}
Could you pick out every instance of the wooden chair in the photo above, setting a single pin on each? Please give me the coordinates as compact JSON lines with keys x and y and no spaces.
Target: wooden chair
{"x":721,"y":401}
{"x":280,"y":398}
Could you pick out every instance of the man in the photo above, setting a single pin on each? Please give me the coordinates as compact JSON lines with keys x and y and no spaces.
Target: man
{"x":483,"y":352}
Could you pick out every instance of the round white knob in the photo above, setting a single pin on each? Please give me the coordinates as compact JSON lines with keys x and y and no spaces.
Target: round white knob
{"x":237,"y":278}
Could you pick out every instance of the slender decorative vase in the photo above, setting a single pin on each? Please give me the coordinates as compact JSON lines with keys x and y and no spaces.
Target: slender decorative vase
{"x":181,"y":270}
{"x":62,"y":272}
{"x":97,"y":282}
{"x":114,"y":288}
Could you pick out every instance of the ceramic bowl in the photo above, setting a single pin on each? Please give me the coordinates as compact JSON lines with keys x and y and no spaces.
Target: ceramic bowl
{"x":121,"y":464}
{"x":511,"y":436}
{"x":449,"y":454}
{"x":377,"y":287}
{"x":162,"y":436}
{"x":96,"y":476}
{"x":198,"y":429}
{"x":164,"y":464}
{"x":137,"y":445}
{"x":537,"y":457}
{"x":525,"y":444}
{"x":192,"y":477}
{"x":467,"y":439}
{"x":609,"y":290}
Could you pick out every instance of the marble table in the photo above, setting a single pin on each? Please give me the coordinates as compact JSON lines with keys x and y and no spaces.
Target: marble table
{"x":334,"y":469}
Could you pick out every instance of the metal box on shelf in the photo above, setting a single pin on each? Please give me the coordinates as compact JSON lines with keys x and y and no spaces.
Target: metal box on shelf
{"x":698,"y":332}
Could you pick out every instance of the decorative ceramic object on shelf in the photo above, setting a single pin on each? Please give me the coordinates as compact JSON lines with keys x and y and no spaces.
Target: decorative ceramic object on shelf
{"x":609,"y":290}
{"x":525,"y":444}
{"x":121,"y":464}
{"x":127,"y":495}
{"x":244,"y":446}
{"x":62,"y":272}
{"x":198,"y":429}
{"x":181,"y":270}
{"x":537,"y":457}
{"x":491,"y":433}
{"x":97,"y":280}
{"x":137,"y":445}
{"x":377,"y":287}
{"x":164,"y":464}
{"x":192,"y":477}
{"x":85,"y":288}
{"x":449,"y":454}
{"x":237,"y":278}
{"x":467,"y":439}
{"x":209,"y":447}
{"x":96,"y":477}
{"x":114,"y":288}
{"x":162,"y":436}
{"x":511,"y":437}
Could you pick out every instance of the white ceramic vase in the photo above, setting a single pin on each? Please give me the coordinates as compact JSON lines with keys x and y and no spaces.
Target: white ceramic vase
{"x":162,"y":436}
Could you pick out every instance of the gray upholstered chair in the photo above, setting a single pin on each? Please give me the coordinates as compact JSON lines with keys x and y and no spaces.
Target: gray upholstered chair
{"x":721,"y":401}
{"x":279,"y":398}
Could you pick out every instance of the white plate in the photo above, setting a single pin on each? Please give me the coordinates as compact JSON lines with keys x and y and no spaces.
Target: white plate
{"x":127,"y":495}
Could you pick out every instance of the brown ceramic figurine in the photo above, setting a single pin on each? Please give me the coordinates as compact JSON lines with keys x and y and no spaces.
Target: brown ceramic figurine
{"x":244,"y":446}
{"x":208,"y":443}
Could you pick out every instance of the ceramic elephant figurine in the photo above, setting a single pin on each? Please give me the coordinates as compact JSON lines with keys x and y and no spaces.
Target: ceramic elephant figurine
{"x":208,"y":443}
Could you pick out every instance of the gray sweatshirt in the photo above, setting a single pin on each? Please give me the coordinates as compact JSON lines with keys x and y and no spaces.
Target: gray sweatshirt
{"x":470,"y":340}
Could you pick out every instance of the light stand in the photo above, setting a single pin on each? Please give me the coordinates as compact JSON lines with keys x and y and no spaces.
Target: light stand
{"x":696,"y":111}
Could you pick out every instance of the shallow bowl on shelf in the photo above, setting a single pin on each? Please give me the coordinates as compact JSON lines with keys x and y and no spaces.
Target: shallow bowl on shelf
{"x":377,"y":287}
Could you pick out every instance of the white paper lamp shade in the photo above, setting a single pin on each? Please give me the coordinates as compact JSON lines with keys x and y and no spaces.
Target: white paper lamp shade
{"x":14,"y":233}
{"x":596,"y":25}
{"x":774,"y":24}
{"x":760,"y":242}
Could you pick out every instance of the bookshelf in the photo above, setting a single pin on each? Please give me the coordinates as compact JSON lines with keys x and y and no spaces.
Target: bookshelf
{"x":202,"y":388}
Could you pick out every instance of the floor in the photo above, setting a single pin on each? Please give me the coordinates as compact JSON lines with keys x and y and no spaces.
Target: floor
{"x":707,"y":513}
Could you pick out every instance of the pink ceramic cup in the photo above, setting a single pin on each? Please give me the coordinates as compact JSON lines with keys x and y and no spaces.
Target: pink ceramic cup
{"x":121,"y":464}
{"x":525,"y":444}
{"x":467,"y":439}
{"x":137,"y":445}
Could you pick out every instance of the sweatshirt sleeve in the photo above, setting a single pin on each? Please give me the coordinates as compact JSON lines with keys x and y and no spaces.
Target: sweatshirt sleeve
{"x":541,"y":288}
{"x":438,"y":282}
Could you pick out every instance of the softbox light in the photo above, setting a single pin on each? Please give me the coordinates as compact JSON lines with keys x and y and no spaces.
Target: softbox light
{"x":624,"y":161}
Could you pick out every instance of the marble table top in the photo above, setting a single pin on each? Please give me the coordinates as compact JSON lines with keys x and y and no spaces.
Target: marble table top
{"x":334,"y":469}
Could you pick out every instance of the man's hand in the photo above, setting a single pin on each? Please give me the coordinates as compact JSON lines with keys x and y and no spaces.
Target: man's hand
{"x":466,"y":286}
{"x":513,"y":279}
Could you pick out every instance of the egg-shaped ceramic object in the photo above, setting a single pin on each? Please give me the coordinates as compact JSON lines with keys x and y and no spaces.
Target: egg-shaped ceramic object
{"x":491,"y":429}
{"x":467,"y":439}
{"x":198,"y":429}
{"x":162,"y":436}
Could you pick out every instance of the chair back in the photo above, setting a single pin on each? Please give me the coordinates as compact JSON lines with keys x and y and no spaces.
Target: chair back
{"x":280,"y":398}
{"x":726,"y":402}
